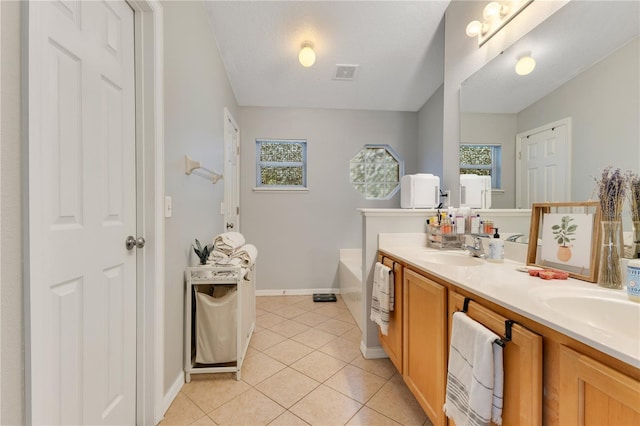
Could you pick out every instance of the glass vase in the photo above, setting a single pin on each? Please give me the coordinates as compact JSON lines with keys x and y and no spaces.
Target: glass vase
{"x":609,"y":275}
{"x":635,"y":245}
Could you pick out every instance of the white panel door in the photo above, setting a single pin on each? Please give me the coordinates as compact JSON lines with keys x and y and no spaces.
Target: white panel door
{"x":82,"y":291}
{"x":231,"y":173}
{"x":544,"y":168}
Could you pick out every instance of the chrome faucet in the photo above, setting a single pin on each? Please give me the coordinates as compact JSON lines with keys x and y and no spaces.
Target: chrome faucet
{"x":513,"y":238}
{"x":476,"y":250}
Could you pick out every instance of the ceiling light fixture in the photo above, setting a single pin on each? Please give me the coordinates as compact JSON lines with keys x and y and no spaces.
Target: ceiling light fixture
{"x":496,"y":15}
{"x":525,"y":65}
{"x":307,"y":56}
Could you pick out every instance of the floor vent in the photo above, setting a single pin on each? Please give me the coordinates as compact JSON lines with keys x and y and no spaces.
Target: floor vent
{"x":345,"y":72}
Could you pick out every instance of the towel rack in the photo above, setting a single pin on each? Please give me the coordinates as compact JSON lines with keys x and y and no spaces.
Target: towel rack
{"x":190,"y":165}
{"x":393,"y":264}
{"x":507,"y":324}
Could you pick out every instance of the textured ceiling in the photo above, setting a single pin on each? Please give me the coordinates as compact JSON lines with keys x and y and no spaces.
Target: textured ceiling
{"x":398,"y":45}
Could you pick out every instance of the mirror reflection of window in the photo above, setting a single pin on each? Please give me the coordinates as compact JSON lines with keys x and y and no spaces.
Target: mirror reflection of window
{"x":482,"y":160}
{"x":375,"y":171}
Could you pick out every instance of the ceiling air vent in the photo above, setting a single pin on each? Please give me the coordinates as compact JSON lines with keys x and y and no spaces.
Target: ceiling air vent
{"x":345,"y":72}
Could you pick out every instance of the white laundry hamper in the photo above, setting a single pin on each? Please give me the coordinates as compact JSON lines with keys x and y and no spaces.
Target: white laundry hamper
{"x":216,"y":322}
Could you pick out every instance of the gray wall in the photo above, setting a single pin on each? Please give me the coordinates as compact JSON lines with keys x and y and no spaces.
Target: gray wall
{"x":11,"y":220}
{"x":429,"y":150}
{"x":495,"y":129}
{"x":603,"y":103}
{"x":298,"y":234}
{"x":196,"y":92}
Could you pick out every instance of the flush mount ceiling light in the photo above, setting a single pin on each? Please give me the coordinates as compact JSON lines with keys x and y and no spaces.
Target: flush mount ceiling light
{"x":495,"y":16}
{"x":525,"y":65}
{"x":307,"y":56}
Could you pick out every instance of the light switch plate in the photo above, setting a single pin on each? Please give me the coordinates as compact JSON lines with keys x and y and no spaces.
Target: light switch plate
{"x":168,"y":206}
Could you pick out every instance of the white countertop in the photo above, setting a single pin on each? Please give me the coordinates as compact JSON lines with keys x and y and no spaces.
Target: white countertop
{"x":529,"y":296}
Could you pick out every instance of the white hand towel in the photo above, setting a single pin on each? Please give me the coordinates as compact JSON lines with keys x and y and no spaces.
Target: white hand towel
{"x":228,"y":242}
{"x":475,"y":374}
{"x":380,"y":297}
{"x":247,"y":254}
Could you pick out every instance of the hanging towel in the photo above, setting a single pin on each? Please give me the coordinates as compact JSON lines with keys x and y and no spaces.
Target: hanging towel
{"x":381,"y":296}
{"x":247,"y":254}
{"x":228,"y":242}
{"x":475,"y":374}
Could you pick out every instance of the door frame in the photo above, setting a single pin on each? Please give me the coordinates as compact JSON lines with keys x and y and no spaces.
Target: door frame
{"x":149,"y":62}
{"x":228,"y":118}
{"x":149,"y":129}
{"x":523,"y":135}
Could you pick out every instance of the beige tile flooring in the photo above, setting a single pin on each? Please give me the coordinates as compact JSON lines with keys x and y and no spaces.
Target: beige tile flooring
{"x":303,"y":366}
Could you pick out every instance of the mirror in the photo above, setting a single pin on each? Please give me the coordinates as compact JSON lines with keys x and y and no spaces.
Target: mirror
{"x":587,"y":56}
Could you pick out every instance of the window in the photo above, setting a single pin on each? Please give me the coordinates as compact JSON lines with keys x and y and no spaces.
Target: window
{"x":482,"y":160}
{"x":375,"y":171}
{"x":281,"y":164}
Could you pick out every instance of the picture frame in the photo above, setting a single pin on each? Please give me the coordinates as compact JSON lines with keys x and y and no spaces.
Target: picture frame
{"x":569,"y":235}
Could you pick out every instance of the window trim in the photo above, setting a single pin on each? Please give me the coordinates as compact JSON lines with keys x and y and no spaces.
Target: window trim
{"x":495,"y":167}
{"x":395,"y":156}
{"x":260,"y":164}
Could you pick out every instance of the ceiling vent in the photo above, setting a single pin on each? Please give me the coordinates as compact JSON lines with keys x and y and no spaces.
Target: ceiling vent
{"x":345,"y":72}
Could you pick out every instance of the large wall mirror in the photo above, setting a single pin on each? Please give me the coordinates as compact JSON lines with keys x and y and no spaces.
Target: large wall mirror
{"x":585,"y":84}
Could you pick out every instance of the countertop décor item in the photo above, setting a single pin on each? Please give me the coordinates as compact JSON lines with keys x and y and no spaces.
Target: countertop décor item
{"x":556,"y":225}
{"x":634,"y":204}
{"x":612,"y":189}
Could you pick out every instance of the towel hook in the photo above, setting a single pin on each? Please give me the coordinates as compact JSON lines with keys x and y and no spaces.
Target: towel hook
{"x":465,"y":305}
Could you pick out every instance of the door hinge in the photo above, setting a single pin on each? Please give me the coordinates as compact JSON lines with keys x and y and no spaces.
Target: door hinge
{"x":238,"y":211}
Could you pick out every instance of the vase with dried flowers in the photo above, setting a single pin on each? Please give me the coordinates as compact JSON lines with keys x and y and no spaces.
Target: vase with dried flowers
{"x":611,"y":188}
{"x":634,"y":204}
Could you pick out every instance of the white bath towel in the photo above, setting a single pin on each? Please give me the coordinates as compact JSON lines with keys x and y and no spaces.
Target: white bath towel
{"x":247,"y":255}
{"x":381,"y":296}
{"x":228,"y":242}
{"x":475,"y":374}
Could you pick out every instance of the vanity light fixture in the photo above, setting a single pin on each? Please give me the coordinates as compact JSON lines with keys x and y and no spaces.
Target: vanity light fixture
{"x":525,"y":65}
{"x":307,"y":56}
{"x":495,"y":16}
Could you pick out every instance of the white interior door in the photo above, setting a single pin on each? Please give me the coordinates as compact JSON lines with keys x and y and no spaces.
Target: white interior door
{"x":82,"y":206}
{"x":543,"y":168}
{"x":231,"y":173}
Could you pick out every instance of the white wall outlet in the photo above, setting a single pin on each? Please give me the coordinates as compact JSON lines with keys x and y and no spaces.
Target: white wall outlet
{"x":168,"y":206}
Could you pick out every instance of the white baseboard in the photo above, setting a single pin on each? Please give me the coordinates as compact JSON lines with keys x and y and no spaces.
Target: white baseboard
{"x":372,"y":352}
{"x":173,"y":391}
{"x":297,"y":292}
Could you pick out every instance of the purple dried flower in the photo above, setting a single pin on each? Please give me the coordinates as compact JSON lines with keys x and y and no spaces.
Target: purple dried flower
{"x":612,"y":189}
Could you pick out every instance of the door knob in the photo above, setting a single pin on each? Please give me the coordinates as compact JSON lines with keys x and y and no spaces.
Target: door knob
{"x":132,"y":242}
{"x":229,"y":225}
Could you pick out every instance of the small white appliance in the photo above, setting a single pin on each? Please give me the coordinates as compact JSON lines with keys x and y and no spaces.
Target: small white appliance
{"x":421,"y":190}
{"x":475,"y":191}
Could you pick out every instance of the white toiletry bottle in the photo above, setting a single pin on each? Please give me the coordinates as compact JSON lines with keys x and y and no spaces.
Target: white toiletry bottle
{"x":633,"y":280}
{"x":496,"y":248}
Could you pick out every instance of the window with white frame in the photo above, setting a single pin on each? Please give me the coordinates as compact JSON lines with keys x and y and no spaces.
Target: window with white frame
{"x":482,"y":160}
{"x":375,"y":171}
{"x":281,"y":164}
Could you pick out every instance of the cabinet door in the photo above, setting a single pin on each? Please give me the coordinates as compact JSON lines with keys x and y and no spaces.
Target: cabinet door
{"x":593,"y":394}
{"x":522,"y":364}
{"x":425,"y":350}
{"x":392,"y":342}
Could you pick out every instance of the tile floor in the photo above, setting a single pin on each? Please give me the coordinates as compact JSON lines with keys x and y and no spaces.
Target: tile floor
{"x":303,"y":366}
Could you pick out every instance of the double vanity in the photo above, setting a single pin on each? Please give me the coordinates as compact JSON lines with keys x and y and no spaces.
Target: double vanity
{"x":573,"y":350}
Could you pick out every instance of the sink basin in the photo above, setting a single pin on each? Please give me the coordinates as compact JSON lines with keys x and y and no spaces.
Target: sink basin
{"x":452,"y":259}
{"x":606,"y":310}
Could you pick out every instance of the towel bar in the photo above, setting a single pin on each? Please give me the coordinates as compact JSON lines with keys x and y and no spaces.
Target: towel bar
{"x":507,"y":324}
{"x":393,"y":264}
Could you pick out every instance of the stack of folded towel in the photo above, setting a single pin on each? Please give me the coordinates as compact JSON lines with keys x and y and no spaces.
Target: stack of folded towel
{"x":230,"y":249}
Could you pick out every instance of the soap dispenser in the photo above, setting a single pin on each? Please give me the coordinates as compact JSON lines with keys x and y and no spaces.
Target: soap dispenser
{"x":496,"y":248}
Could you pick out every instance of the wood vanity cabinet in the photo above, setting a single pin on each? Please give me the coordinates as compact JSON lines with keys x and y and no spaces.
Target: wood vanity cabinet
{"x":593,"y":393}
{"x":425,"y":343}
{"x":522,"y":361}
{"x":392,"y":342}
